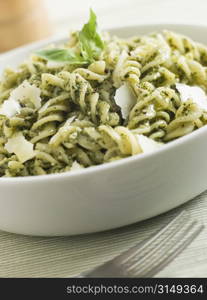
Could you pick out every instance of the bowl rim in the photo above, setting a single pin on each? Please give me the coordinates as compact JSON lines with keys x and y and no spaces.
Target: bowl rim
{"x":108,"y":165}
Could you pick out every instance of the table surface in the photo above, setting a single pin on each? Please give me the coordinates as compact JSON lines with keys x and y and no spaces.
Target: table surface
{"x":22,"y":256}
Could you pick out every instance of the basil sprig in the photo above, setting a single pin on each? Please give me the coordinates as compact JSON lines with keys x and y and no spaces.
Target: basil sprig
{"x":89,"y":39}
{"x":91,"y":46}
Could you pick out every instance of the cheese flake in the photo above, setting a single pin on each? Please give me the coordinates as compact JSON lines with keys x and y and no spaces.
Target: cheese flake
{"x":146,"y":144}
{"x":10,"y":108}
{"x":21,"y":147}
{"x":76,"y":166}
{"x":24,"y":91}
{"x":125,"y":99}
{"x":195,"y":93}
{"x":27,"y":91}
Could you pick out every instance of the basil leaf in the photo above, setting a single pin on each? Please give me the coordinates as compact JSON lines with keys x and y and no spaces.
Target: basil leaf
{"x":61,"y":55}
{"x":91,"y":46}
{"x":90,"y":41}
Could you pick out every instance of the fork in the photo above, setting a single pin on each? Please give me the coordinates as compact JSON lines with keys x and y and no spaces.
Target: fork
{"x":147,"y":258}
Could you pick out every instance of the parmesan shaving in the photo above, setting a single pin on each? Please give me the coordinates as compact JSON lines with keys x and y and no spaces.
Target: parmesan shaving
{"x":125,"y":99}
{"x":195,"y":93}
{"x":75,"y":166}
{"x":146,"y":144}
{"x":21,"y":147}
{"x":10,"y":108}
{"x":22,"y":93}
{"x":26,"y":91}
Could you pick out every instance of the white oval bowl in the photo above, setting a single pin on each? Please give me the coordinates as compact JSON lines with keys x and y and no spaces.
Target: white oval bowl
{"x":110,"y":195}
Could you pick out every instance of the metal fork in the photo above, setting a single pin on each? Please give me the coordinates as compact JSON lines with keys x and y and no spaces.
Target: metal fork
{"x":150,"y":256}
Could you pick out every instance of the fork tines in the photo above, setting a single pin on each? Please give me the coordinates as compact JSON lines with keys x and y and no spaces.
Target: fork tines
{"x":150,"y":256}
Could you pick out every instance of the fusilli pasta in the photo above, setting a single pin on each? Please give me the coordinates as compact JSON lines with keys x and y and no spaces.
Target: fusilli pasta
{"x":78,"y":123}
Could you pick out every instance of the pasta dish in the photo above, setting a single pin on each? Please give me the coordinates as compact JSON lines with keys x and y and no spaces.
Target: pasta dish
{"x":99,"y":98}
